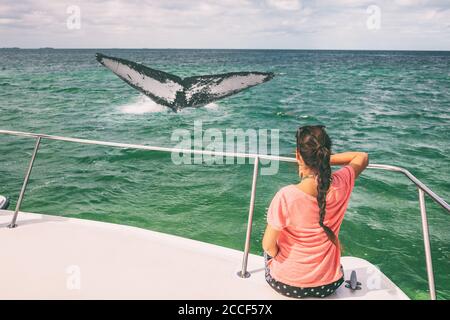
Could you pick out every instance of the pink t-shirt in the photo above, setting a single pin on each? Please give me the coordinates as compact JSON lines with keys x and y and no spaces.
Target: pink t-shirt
{"x":306,"y":257}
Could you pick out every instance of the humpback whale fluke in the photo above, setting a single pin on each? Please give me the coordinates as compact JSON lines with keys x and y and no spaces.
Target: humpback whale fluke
{"x":177,"y":93}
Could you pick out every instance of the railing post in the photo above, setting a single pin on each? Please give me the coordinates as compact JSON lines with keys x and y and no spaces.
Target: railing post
{"x":426,"y":242}
{"x":244,"y":273}
{"x":25,"y":183}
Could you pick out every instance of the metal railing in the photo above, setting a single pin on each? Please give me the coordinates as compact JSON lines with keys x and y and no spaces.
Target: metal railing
{"x":422,"y":188}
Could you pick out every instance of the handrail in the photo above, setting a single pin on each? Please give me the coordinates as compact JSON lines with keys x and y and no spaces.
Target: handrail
{"x":408,"y":174}
{"x":416,"y":181}
{"x":422,"y":188}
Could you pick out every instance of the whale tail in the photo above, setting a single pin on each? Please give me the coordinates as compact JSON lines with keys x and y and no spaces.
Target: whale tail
{"x":177,"y":93}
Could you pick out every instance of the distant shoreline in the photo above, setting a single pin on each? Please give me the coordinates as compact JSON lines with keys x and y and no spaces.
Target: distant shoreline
{"x":229,"y":49}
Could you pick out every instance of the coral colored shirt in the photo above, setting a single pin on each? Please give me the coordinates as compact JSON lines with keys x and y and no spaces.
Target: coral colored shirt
{"x":306,"y":258}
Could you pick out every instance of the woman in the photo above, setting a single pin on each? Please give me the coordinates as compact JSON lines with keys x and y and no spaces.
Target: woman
{"x":303,"y":220}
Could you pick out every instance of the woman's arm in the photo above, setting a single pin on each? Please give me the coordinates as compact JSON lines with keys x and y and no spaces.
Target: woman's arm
{"x":269,"y":242}
{"x":358,"y":160}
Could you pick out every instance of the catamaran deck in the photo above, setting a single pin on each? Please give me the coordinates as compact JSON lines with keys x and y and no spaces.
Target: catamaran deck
{"x":51,"y":257}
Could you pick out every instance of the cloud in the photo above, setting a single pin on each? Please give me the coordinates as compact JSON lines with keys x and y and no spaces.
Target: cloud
{"x":410,"y":2}
{"x":285,"y":4}
{"x":326,"y":24}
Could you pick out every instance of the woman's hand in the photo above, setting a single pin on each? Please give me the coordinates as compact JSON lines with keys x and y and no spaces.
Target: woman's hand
{"x":269,"y":242}
{"x":358,"y":160}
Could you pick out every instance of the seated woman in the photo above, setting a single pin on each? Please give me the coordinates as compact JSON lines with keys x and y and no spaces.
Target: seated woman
{"x":303,"y":220}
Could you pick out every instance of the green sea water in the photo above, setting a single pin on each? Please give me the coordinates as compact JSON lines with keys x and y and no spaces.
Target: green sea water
{"x":394,"y":105}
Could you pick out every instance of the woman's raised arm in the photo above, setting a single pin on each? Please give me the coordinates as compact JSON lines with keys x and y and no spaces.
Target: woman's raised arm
{"x":358,"y":160}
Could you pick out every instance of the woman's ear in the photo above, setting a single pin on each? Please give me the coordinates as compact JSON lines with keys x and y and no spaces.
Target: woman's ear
{"x":300,"y":163}
{"x":298,"y":157}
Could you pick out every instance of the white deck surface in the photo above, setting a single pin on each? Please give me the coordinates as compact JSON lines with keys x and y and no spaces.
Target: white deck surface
{"x":47,"y":257}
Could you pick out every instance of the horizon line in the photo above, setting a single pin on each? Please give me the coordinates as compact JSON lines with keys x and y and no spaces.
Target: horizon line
{"x":267,"y":49}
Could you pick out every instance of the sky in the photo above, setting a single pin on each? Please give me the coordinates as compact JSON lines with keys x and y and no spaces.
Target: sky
{"x":246,"y":24}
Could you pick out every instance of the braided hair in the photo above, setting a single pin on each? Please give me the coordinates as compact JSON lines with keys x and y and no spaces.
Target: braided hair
{"x":314,"y":145}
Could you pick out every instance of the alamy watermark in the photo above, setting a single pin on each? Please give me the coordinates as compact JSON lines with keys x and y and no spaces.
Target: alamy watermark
{"x":373,"y":22}
{"x":73,"y":280}
{"x":374,"y":280}
{"x":73,"y":21}
{"x":221,"y":146}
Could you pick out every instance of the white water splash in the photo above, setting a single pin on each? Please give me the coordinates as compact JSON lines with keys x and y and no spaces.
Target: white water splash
{"x":142,"y":105}
{"x":212,"y":106}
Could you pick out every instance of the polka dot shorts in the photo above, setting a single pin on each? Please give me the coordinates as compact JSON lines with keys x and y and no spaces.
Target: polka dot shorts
{"x":297,"y":292}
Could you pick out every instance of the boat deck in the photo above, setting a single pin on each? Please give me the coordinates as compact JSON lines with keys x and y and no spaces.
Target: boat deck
{"x":52,"y":257}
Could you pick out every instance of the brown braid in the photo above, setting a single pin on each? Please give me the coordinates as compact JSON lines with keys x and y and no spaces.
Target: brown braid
{"x":314,"y":145}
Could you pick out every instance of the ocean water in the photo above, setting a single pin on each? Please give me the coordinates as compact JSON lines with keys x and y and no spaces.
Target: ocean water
{"x":394,"y":105}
